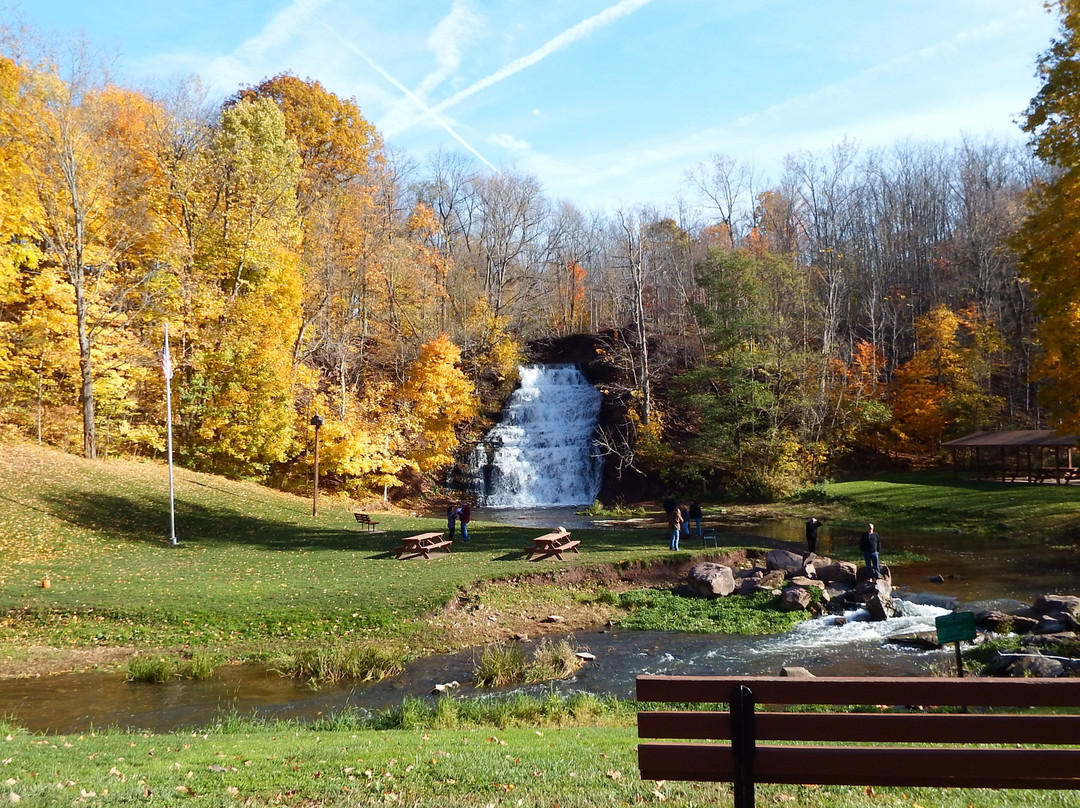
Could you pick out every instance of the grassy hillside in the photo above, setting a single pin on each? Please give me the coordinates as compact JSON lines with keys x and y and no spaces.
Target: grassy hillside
{"x":255,"y":572}
{"x":253,"y":567}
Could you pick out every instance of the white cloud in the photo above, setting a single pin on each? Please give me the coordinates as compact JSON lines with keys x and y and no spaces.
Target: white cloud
{"x":454,"y":32}
{"x":509,"y":142}
{"x":419,"y":102}
{"x":287,"y":26}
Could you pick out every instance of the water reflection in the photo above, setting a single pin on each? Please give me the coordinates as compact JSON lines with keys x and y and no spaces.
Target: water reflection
{"x":974,"y":568}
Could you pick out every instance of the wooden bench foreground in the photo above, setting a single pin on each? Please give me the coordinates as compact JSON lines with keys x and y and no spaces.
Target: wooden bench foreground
{"x":859,"y":753}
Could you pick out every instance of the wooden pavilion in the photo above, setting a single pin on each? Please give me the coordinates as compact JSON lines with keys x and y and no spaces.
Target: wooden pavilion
{"x":1018,"y":455}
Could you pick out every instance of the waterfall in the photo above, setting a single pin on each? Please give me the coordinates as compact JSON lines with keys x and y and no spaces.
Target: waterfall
{"x":541,"y":453}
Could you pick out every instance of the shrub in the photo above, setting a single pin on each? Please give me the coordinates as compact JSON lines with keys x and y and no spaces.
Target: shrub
{"x":333,"y":663}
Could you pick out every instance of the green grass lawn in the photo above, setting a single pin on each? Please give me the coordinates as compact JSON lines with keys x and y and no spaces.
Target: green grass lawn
{"x":253,"y":567}
{"x":568,"y":766}
{"x":255,"y":572}
{"x":936,"y":502}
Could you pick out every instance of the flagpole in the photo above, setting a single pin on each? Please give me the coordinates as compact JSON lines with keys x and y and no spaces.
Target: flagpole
{"x":166,"y":369}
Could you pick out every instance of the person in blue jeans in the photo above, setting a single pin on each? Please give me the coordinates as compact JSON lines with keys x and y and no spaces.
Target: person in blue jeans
{"x":696,"y":515}
{"x":674,"y":524}
{"x":464,"y":516}
{"x":870,"y":544}
{"x":451,"y":521}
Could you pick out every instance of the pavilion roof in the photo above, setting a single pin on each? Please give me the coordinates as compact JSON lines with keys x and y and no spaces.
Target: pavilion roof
{"x":1016,"y":437}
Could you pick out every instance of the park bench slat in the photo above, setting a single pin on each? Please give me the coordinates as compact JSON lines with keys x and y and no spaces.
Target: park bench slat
{"x":866,"y":748}
{"x":853,"y":766}
{"x":925,"y":691}
{"x":869,"y":727}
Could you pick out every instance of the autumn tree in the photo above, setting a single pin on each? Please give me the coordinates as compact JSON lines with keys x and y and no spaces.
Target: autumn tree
{"x":237,"y":387}
{"x":439,"y":398}
{"x":1049,"y":241}
{"x":96,"y":192}
{"x":948,"y":381}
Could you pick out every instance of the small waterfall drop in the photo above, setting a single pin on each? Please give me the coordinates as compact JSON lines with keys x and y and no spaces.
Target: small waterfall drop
{"x":541,"y":453}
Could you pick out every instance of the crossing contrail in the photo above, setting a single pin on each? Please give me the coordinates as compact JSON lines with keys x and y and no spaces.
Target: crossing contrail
{"x":431,"y":113}
{"x":556,"y":43}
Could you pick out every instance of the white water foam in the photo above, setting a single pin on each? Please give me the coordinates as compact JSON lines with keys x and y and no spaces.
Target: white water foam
{"x":542,"y":453}
{"x":856,"y":630}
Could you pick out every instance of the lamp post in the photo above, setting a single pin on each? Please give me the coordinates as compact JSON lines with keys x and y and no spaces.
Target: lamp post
{"x":316,"y":421}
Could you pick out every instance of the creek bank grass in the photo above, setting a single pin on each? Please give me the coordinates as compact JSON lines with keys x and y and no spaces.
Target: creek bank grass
{"x":502,"y":664}
{"x":660,"y":609}
{"x":163,"y":668}
{"x":329,"y":663}
{"x":261,"y":764}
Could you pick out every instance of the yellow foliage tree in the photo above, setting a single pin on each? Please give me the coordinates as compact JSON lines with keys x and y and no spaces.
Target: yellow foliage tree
{"x":364,"y":448}
{"x":439,"y":398}
{"x":1048,"y":242}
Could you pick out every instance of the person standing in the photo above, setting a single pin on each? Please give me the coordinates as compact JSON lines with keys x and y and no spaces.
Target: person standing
{"x":870,"y":544}
{"x":465,"y":516}
{"x":696,"y":515}
{"x":684,"y":528}
{"x":674,"y":525}
{"x":812,"y":525}
{"x":451,"y":520}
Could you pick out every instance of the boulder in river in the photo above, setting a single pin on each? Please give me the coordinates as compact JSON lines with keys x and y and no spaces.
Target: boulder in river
{"x":711,"y":580}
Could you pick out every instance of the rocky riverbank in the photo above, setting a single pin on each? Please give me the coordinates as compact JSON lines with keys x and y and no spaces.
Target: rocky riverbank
{"x":1048,"y":629}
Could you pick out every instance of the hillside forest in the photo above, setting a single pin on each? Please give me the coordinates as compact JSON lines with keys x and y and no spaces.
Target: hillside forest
{"x":750,"y":337}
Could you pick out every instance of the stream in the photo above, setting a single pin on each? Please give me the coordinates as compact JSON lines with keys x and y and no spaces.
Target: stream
{"x":977,"y":573}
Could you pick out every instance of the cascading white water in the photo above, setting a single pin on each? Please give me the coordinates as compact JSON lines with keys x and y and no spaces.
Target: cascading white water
{"x":541,"y":454}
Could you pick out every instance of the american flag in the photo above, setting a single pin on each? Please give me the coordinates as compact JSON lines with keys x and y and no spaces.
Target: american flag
{"x":166,"y":360}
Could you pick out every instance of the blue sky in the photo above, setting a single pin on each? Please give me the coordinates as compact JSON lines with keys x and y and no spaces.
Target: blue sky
{"x":607,"y":102}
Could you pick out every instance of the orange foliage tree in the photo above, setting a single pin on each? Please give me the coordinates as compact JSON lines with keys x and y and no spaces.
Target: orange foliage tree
{"x":947,"y":382}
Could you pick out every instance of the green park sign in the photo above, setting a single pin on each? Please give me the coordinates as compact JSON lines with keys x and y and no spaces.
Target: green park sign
{"x":955,"y":627}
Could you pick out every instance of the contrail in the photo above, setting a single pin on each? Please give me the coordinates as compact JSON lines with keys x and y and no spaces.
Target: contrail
{"x":567,"y":37}
{"x":433,"y":114}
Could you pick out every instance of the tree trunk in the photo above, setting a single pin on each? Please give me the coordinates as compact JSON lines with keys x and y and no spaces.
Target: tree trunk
{"x":86,"y":370}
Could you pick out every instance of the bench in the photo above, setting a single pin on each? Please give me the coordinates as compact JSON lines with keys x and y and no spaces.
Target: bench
{"x":859,"y":754}
{"x":422,"y":545}
{"x":366,"y":521}
{"x":552,"y":544}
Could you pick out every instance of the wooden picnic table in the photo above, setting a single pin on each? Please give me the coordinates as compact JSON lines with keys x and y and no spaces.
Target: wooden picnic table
{"x":421,"y":545}
{"x":551,"y":544}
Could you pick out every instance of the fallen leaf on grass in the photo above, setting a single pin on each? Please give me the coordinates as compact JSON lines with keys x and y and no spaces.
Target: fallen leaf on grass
{"x":615,"y":775}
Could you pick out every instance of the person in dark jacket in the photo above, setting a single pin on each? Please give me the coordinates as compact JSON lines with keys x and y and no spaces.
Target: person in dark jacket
{"x":696,"y":515}
{"x":870,"y":544}
{"x":451,"y":521}
{"x":465,"y":516}
{"x":812,"y":525}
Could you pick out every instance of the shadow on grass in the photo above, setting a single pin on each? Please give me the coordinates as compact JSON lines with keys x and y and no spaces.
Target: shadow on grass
{"x":146,"y":520}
